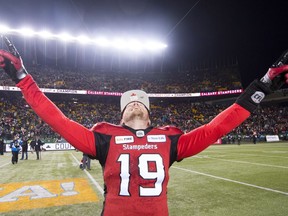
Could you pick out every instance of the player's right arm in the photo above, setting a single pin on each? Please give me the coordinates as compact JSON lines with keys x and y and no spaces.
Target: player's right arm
{"x":197,"y":140}
{"x":200,"y":138}
{"x":77,"y":135}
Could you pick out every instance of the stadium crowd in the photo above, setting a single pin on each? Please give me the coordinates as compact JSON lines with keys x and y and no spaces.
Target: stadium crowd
{"x":16,"y":115}
{"x":202,"y":79}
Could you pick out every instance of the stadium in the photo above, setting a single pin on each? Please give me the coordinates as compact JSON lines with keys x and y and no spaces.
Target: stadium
{"x":243,"y":173}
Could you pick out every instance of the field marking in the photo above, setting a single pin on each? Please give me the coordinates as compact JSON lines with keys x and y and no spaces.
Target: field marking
{"x":100,"y":189}
{"x":47,"y":193}
{"x":4,"y":165}
{"x":247,"y":154}
{"x":231,"y":180}
{"x":245,"y":162}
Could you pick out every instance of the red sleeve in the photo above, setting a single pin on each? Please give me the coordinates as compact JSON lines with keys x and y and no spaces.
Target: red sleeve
{"x":200,"y":138}
{"x":77,"y":135}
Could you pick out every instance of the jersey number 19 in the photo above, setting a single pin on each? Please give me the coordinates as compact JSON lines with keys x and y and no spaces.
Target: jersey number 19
{"x":157,"y":175}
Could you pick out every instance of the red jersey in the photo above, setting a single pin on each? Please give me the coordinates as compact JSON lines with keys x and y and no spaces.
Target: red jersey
{"x":135,"y":162}
{"x":135,"y":167}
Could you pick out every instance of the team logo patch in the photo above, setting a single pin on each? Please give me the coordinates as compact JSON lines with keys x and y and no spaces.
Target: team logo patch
{"x":124,"y":139}
{"x":156,"y":138}
{"x":257,"y":97}
{"x":140,"y":133}
{"x":133,"y":97}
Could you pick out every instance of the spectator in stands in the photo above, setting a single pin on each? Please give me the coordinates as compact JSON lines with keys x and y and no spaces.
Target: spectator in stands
{"x":239,"y":138}
{"x":229,"y":138}
{"x":1,"y":146}
{"x":254,"y":137}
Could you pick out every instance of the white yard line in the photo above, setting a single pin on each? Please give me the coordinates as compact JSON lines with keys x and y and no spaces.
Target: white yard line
{"x":100,"y":189}
{"x":230,"y":180}
{"x":218,"y":153}
{"x":245,"y":162}
{"x":255,"y":155}
{"x":5,"y":164}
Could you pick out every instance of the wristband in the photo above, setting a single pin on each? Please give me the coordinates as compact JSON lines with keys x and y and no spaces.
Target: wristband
{"x":253,"y":95}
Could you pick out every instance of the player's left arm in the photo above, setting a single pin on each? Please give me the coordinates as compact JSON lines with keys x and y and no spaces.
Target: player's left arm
{"x":200,"y":138}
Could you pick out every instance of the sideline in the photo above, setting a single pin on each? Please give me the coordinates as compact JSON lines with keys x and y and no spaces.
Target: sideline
{"x":100,"y":189}
{"x":230,"y":180}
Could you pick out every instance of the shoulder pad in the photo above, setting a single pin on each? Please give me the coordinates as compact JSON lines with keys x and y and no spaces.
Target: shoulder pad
{"x":172,"y":129}
{"x":104,"y":127}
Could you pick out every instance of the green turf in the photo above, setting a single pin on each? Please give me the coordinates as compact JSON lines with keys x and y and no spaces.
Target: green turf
{"x":222,"y":180}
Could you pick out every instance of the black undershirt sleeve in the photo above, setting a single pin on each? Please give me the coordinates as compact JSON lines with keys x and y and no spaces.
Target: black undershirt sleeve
{"x":173,"y":150}
{"x":102,"y":144}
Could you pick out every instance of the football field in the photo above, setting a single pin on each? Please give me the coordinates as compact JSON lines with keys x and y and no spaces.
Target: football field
{"x":223,"y":180}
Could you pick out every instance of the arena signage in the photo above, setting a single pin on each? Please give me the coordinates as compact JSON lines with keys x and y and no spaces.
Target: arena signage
{"x":103,"y":93}
{"x":58,"y":146}
{"x":272,"y":138}
{"x":227,"y":92}
{"x":9,"y":88}
{"x":64,"y":91}
{"x":50,"y":147}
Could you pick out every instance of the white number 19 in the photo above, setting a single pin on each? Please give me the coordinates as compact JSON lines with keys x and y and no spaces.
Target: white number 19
{"x":159,"y":174}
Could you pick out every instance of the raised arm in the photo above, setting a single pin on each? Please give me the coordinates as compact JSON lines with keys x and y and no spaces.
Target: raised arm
{"x":199,"y":139}
{"x":77,"y":135}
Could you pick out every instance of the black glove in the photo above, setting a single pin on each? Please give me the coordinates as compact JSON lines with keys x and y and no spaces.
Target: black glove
{"x":276,"y":76}
{"x":11,"y":62}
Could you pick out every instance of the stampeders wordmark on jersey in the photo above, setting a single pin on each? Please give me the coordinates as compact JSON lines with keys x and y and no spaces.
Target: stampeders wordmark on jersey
{"x":128,"y":142}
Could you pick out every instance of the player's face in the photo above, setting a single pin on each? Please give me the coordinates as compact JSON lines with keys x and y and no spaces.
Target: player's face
{"x":135,"y":110}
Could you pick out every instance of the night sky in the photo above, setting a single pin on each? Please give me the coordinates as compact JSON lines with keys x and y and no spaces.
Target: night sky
{"x":254,"y":31}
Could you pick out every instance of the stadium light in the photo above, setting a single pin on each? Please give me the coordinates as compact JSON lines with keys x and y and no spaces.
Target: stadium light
{"x":27,"y":32}
{"x":65,"y":37}
{"x":102,"y":41}
{"x":4,"y":29}
{"x":135,"y":45}
{"x":45,"y":34}
{"x":119,"y":43}
{"x":152,"y":45}
{"x":83,"y":39}
{"x":131,"y":44}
